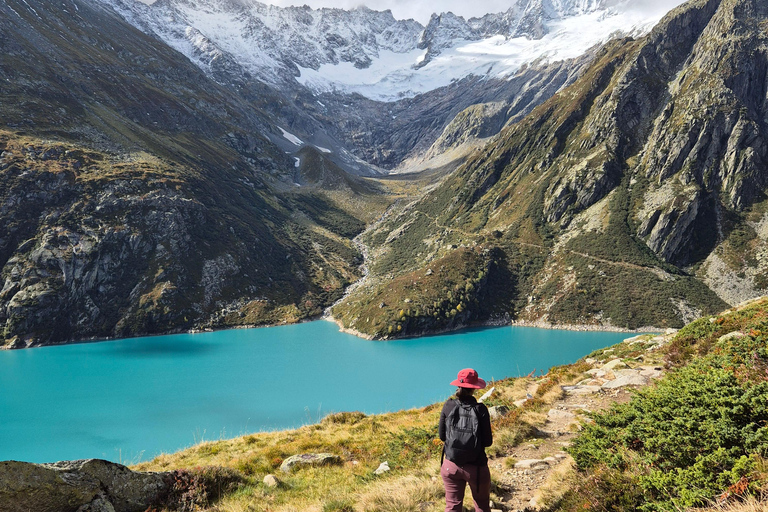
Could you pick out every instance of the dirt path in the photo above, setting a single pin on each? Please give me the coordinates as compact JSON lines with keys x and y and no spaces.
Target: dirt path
{"x":535,"y":461}
{"x":654,"y":270}
{"x":524,"y":471}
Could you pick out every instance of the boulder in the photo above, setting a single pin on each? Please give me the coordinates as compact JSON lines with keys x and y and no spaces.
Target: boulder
{"x":271,"y":481}
{"x":309,"y":459}
{"x":91,"y":485}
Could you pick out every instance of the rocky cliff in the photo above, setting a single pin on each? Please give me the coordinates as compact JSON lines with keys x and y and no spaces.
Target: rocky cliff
{"x":633,"y":197}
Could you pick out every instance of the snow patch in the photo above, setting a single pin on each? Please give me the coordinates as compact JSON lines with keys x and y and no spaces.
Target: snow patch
{"x":324,"y":150}
{"x":298,"y":161}
{"x":291,"y":137}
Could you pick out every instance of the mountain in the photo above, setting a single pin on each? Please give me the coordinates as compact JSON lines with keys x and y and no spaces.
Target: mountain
{"x":362,"y":83}
{"x":139,"y":196}
{"x":634,"y":197}
{"x":151,"y":185}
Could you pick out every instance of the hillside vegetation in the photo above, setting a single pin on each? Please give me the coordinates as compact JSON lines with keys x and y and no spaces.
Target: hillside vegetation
{"x":698,"y":435}
{"x":634,"y":197}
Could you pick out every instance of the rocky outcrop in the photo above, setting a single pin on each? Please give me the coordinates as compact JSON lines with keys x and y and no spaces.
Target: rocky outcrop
{"x":91,"y":247}
{"x":309,"y":460}
{"x":91,"y":485}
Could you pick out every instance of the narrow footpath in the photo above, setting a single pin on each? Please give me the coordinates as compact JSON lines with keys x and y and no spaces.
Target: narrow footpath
{"x":523,"y":474}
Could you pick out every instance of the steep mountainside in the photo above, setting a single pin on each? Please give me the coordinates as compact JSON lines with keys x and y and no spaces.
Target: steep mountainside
{"x":362,"y":83}
{"x":139,"y":196}
{"x":634,"y":197}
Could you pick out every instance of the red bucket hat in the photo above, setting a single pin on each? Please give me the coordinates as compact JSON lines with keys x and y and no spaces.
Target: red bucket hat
{"x":467,"y":378}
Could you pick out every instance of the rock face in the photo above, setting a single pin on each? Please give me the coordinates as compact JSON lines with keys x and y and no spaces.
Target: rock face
{"x":633,"y":197}
{"x":82,"y":485}
{"x":87,"y":253}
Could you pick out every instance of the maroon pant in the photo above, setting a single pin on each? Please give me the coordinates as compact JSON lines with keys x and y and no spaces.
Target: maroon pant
{"x":456,"y":478}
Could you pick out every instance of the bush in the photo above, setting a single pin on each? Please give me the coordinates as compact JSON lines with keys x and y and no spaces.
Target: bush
{"x":693,"y":435}
{"x":193,"y":489}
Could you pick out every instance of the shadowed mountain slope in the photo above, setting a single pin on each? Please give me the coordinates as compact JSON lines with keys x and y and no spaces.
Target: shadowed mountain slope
{"x":138,"y":196}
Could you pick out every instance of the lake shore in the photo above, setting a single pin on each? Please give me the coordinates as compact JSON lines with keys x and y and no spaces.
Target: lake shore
{"x":504,"y":323}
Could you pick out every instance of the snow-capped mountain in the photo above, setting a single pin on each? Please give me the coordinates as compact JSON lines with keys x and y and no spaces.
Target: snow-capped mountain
{"x":371,"y":53}
{"x":272,"y":43}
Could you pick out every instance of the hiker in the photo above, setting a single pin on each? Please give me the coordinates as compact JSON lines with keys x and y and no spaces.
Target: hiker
{"x":465,"y":428}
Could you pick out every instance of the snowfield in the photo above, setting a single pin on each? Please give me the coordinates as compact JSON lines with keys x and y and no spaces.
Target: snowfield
{"x":373,"y":54}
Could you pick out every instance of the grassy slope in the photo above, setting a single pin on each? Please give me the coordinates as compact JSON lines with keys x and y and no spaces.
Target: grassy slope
{"x":407,"y":440}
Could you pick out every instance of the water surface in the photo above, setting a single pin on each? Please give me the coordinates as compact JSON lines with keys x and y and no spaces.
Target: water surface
{"x":129,"y":400}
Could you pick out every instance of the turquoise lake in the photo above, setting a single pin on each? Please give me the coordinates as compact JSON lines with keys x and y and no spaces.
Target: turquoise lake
{"x":130,"y":400}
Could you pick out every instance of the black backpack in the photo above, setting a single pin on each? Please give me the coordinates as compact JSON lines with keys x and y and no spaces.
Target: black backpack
{"x":462,"y":434}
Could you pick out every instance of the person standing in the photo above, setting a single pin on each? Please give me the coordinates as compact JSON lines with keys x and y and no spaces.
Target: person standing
{"x":465,"y":429}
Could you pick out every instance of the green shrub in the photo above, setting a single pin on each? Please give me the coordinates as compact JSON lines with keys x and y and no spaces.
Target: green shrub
{"x":693,"y":435}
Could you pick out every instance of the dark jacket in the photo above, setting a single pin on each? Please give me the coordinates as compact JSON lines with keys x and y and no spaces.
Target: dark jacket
{"x":486,"y":436}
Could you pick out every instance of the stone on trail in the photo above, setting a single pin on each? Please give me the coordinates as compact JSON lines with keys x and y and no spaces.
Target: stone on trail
{"x":531,"y":464}
{"x":613,"y":364}
{"x":627,"y":378}
{"x":581,"y":390}
{"x":309,"y":459}
{"x":555,"y":414}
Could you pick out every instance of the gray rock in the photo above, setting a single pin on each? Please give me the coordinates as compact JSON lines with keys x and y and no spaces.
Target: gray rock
{"x":581,"y":390}
{"x":487,"y":394}
{"x":309,"y":459}
{"x":630,"y":378}
{"x":91,"y":485}
{"x":554,"y":414}
{"x":531,"y":464}
{"x":497,"y":411}
{"x":730,"y":336}
{"x":613,"y":365}
{"x":271,"y":481}
{"x":100,"y":504}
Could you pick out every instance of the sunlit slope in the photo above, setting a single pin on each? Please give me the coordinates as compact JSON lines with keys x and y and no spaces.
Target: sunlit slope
{"x":632,"y":198}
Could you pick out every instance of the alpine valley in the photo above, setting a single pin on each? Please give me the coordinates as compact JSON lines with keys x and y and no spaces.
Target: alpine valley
{"x":201,"y":164}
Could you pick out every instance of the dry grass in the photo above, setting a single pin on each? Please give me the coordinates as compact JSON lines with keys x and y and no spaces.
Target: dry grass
{"x":556,"y":485}
{"x":405,"y":494}
{"x":751,"y":504}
